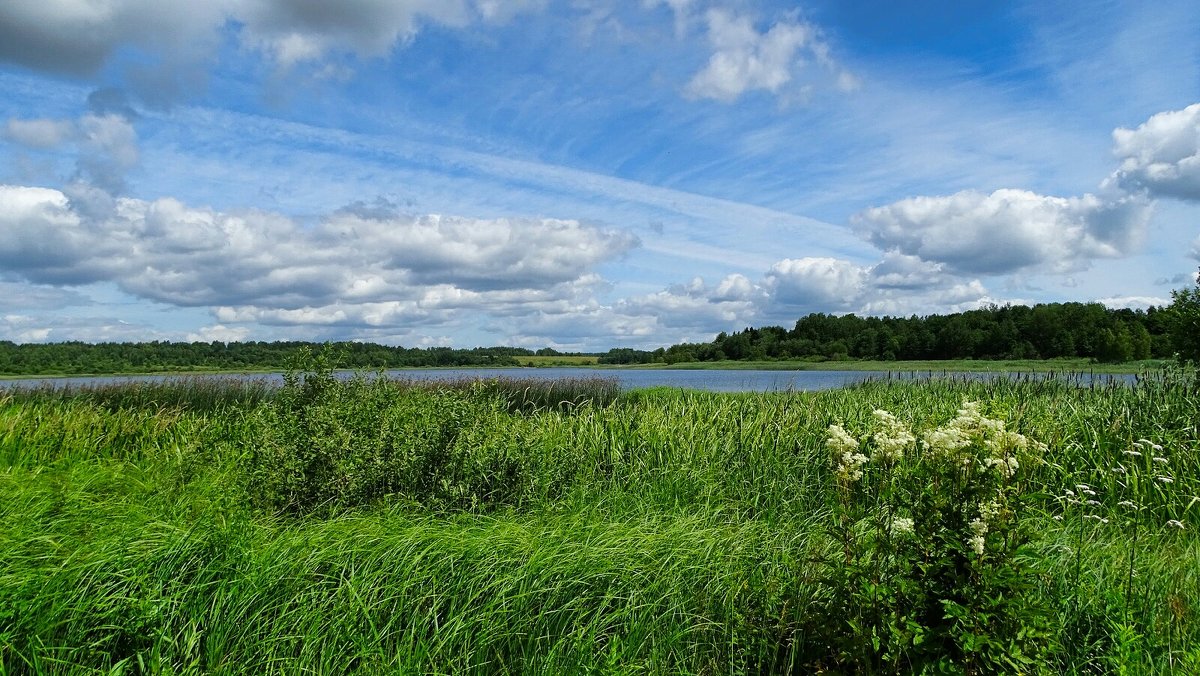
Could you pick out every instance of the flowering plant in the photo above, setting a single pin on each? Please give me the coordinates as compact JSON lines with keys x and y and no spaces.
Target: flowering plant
{"x":927,"y":574}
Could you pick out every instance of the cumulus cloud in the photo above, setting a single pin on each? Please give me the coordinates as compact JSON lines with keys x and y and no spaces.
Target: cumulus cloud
{"x":1135,"y":302}
{"x":33,"y":328}
{"x":261,"y":266}
{"x":826,"y":284}
{"x":1161,"y":156}
{"x":746,"y":60}
{"x":79,"y":38}
{"x":39,"y":134}
{"x":1005,"y":231}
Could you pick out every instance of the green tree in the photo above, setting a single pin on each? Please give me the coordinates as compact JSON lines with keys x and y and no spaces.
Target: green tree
{"x":1183,"y":322}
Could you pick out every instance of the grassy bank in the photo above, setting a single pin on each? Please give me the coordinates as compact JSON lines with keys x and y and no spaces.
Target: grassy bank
{"x":375,"y":527}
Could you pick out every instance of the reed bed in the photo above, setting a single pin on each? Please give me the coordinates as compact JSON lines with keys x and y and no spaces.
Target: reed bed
{"x":475,"y":528}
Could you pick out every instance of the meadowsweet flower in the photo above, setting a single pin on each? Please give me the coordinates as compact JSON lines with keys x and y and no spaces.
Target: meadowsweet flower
{"x":1132,"y":454}
{"x":1058,"y":517}
{"x":1160,"y":460}
{"x":1082,"y":487}
{"x":902,"y":525}
{"x":1164,"y":479}
{"x":1093,"y":502}
{"x":989,"y":510}
{"x":1118,"y":470}
{"x":840,"y":441}
{"x":977,"y":542}
{"x":850,"y":466}
{"x":892,"y":438}
{"x":1095,"y":517}
{"x":1175,"y":524}
{"x":1070,"y":493}
{"x":1127,"y":503}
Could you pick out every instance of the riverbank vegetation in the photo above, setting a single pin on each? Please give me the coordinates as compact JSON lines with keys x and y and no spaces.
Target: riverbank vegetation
{"x":373,"y":526}
{"x":1013,"y":333}
{"x":76,"y":358}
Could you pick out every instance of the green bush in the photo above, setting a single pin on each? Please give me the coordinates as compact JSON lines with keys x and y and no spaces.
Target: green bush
{"x":929,"y":576}
{"x":330,"y":444}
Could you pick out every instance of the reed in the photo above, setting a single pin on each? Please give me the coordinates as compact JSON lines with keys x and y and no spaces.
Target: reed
{"x":657,"y":531}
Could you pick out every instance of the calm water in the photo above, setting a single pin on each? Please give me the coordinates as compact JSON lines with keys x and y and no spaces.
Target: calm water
{"x":713,"y":381}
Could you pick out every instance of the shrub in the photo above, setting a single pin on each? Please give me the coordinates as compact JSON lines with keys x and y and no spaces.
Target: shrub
{"x":928,"y":573}
{"x":328,"y":443}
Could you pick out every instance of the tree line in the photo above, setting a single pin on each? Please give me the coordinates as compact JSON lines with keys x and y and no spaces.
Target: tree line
{"x":157,"y":356}
{"x":1044,"y":331}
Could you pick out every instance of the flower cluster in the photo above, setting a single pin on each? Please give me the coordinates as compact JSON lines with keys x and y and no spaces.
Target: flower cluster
{"x":845,"y":452}
{"x":892,"y":437}
{"x":952,"y":441}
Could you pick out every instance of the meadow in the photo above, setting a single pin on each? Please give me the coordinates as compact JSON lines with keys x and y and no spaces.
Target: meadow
{"x":374,"y":526}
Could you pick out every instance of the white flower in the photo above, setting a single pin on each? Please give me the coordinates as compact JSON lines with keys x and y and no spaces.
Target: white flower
{"x":1118,"y":470}
{"x":979,"y":527}
{"x":1132,"y":454}
{"x":1069,"y":493}
{"x":892,"y":438}
{"x":1082,"y":487}
{"x":902,"y":525}
{"x":1093,"y":502}
{"x":977,"y":542}
{"x":1095,"y":518}
{"x":850,"y":466}
{"x":840,"y":441}
{"x":1175,"y":524}
{"x":1165,"y":479}
{"x":1160,"y":460}
{"x":1058,"y":517}
{"x":1127,"y":503}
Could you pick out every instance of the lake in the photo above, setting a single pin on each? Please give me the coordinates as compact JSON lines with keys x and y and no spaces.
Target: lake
{"x":709,"y":380}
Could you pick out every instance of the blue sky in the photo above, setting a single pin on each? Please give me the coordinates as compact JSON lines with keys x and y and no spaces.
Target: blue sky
{"x":584,"y":174}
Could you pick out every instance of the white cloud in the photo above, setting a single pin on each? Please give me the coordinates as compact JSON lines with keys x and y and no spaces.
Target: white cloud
{"x":219,"y":333}
{"x":1135,"y":302}
{"x":260,"y":266}
{"x":40,"y":134}
{"x":816,"y":284}
{"x":747,"y":60}
{"x":1007,"y":230}
{"x":1162,"y":155}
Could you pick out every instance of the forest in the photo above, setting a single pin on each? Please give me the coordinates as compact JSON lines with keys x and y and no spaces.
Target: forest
{"x":151,"y":357}
{"x":1044,"y":331}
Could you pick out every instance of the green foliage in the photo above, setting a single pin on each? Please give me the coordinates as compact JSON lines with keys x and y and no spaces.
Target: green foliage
{"x":929,"y":576}
{"x":671,"y":532}
{"x":1184,"y":322}
{"x":330,"y":444}
{"x":1044,"y":331}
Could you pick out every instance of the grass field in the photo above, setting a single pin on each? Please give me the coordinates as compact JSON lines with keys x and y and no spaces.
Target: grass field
{"x":375,"y":527}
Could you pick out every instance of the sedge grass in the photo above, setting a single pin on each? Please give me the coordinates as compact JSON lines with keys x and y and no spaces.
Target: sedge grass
{"x":668,"y":532}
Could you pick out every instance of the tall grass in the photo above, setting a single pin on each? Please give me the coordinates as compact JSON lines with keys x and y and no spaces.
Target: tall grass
{"x":657,"y":531}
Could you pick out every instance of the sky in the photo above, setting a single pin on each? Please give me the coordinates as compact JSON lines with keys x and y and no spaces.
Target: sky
{"x":584,"y":174}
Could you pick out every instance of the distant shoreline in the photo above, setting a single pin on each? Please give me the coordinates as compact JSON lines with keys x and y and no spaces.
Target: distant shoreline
{"x":958,"y":365}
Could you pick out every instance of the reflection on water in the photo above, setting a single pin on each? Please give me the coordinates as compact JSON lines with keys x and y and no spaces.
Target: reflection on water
{"x":710,"y":380}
